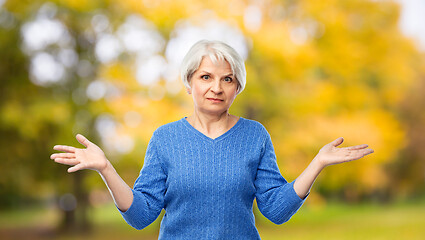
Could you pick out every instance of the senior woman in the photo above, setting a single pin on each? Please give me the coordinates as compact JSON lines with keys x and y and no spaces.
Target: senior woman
{"x":205,"y":170}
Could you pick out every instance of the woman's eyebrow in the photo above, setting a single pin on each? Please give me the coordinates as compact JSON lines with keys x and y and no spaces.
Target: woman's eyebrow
{"x":224,"y":75}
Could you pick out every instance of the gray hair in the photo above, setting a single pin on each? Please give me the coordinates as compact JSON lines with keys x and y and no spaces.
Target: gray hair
{"x":215,"y":50}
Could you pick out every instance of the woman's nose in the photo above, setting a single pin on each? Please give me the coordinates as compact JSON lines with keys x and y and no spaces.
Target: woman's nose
{"x":216,"y":86}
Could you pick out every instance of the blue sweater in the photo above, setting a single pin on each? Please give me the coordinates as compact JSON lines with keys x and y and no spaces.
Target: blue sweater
{"x":207,"y":186}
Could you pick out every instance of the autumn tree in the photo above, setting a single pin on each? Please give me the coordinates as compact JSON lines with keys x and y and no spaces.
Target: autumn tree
{"x":317,"y":70}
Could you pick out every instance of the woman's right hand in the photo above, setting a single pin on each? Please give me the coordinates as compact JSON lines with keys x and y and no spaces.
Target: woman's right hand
{"x":91,"y":157}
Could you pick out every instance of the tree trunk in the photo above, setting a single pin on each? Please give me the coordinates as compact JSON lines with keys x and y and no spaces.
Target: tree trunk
{"x":75,"y":207}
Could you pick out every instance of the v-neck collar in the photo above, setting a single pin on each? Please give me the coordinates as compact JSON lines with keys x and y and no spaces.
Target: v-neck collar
{"x":205,"y":137}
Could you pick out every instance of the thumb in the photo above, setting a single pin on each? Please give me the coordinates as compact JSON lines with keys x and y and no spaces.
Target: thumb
{"x":83,"y":140}
{"x":337,"y":142}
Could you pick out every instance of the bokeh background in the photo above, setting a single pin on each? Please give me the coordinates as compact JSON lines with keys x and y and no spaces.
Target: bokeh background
{"x":316,"y":70}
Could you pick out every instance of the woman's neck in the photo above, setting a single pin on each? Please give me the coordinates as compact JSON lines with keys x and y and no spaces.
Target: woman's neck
{"x":212,"y":125}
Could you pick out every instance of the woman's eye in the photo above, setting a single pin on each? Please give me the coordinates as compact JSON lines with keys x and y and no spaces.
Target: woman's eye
{"x":228,"y":79}
{"x":205,"y":77}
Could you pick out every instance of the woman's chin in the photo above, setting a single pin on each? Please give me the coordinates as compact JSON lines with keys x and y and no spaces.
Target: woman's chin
{"x":213,"y":111}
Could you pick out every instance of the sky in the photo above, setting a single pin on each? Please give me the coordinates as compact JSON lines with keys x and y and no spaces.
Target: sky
{"x":412,"y":20}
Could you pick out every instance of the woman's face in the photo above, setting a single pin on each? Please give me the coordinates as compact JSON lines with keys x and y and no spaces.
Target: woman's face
{"x":213,"y":87}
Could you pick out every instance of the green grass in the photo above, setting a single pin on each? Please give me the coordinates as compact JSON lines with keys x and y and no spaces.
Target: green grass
{"x":333,"y":221}
{"x":341,"y":221}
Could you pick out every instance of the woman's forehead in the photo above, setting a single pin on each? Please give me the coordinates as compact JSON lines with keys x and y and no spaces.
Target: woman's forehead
{"x":219,"y":64}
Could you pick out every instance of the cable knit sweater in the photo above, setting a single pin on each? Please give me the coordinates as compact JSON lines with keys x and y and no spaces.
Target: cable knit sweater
{"x":207,"y":186}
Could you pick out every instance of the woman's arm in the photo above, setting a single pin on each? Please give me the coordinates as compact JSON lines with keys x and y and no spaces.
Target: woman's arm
{"x":92,"y":157}
{"x":328,"y":155}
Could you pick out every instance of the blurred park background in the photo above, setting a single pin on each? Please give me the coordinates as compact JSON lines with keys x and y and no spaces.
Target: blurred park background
{"x":316,"y":70}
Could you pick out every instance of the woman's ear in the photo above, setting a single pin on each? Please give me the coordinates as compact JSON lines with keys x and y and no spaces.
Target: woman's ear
{"x":189,"y":91}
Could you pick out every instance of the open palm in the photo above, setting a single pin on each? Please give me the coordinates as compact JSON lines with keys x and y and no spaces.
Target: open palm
{"x":330,"y":154}
{"x":91,"y":157}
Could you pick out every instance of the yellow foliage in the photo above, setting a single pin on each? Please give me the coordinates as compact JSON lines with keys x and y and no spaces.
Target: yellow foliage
{"x":380,"y":130}
{"x":317,"y":70}
{"x":82,"y":5}
{"x":28,"y":116}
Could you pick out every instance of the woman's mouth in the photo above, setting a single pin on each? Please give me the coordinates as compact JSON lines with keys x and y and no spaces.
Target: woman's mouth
{"x":215,"y":100}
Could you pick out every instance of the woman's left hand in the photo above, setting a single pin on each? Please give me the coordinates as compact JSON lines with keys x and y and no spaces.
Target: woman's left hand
{"x":330,"y":154}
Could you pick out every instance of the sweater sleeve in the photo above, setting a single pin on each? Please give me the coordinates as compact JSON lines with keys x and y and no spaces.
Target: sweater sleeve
{"x":148,"y":191}
{"x":276,"y":198}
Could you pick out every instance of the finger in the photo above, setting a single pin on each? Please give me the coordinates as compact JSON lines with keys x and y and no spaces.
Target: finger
{"x":72,"y":169}
{"x":83,"y":140}
{"x":357,"y":147}
{"x":368,"y":151}
{"x":66,"y":161}
{"x":77,"y":167}
{"x":64,"y":148}
{"x":354,"y":155}
{"x":337,"y":142}
{"x":62,"y":155}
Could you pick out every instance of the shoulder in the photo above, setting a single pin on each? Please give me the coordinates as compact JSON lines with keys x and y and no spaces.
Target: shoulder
{"x":168,"y":129}
{"x":255,"y":128}
{"x":254,"y":125}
